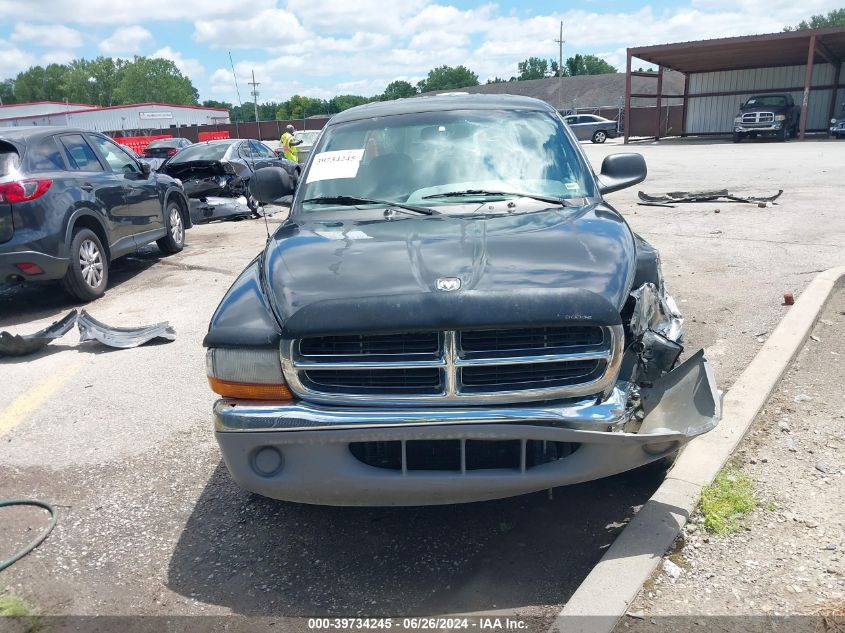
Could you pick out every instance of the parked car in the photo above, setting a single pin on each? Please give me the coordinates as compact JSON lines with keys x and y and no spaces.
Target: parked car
{"x":767,"y":115}
{"x":591,"y":127}
{"x":166,"y":147}
{"x":73,"y":201}
{"x":308,"y":138}
{"x":216,"y":176}
{"x":154,"y":163}
{"x":431,"y":328}
{"x":837,"y":125}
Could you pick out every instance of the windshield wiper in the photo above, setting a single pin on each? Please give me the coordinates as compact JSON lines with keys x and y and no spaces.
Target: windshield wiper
{"x":353,"y":200}
{"x":488,"y":192}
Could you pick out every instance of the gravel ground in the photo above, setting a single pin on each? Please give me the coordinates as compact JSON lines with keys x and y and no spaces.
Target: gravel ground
{"x":789,"y":559}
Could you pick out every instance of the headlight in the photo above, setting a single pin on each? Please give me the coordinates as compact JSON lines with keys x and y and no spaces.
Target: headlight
{"x":737,"y":119}
{"x":780,"y":117}
{"x":833,"y":121}
{"x":250,"y":374}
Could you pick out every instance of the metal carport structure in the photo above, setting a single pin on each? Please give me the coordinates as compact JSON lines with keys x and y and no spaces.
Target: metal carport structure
{"x":806,"y":63}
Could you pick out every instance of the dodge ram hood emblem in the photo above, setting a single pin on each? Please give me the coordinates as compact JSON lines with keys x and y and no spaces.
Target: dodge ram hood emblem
{"x":448,"y":284}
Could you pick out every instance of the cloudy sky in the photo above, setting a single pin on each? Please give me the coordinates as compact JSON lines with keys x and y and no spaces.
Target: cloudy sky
{"x":325,"y":47}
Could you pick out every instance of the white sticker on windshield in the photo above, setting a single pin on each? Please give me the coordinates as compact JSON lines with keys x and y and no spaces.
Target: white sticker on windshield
{"x":572,"y":186}
{"x":339,"y":164}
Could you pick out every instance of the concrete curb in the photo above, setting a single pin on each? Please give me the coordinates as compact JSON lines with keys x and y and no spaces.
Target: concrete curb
{"x":604,"y":596}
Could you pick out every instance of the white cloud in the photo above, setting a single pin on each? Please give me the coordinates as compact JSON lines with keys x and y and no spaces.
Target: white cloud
{"x":273,"y":29}
{"x":13,"y":60}
{"x":127,"y":39}
{"x":191,"y":68}
{"x":110,"y":12}
{"x":374,"y":16}
{"x":48,"y":35}
{"x":57,"y":57}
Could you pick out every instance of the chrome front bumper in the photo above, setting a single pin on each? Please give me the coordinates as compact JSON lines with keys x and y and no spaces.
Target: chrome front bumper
{"x":745,"y":129}
{"x":300,"y":452}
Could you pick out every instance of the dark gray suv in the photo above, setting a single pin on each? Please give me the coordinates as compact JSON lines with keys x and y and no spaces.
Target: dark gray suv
{"x":71,"y":201}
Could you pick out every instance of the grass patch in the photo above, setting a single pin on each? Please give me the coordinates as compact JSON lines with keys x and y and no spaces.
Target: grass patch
{"x":13,"y":607}
{"x":724,"y":502}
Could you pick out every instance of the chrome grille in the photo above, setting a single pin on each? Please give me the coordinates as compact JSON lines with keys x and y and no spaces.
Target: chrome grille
{"x":452,"y":367}
{"x":758,"y":117}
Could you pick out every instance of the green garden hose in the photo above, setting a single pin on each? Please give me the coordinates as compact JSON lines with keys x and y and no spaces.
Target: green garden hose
{"x":35,"y":542}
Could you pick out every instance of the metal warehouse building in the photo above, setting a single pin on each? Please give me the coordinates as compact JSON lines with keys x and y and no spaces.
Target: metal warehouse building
{"x":722,"y":73}
{"x":126,"y":119}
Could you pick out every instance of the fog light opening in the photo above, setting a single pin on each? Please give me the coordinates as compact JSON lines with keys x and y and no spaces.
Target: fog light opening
{"x":267,"y":461}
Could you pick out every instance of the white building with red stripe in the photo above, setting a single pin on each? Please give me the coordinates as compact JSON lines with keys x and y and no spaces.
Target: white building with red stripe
{"x":138,"y":117}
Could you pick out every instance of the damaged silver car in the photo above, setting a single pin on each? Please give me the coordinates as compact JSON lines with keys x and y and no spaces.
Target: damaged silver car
{"x":216,"y":174}
{"x":433,"y":327}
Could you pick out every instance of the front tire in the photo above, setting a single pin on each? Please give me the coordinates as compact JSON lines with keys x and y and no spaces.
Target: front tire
{"x":781,"y":135}
{"x":174,"y":241}
{"x":599,"y":136}
{"x":737,"y":137}
{"x":88,"y":273}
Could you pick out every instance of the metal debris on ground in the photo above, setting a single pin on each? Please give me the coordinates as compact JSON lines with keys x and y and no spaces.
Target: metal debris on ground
{"x":672,"y":198}
{"x":89,"y":329}
{"x":24,"y":344}
{"x":121,"y":337}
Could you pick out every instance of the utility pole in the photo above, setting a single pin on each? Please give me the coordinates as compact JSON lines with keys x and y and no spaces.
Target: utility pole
{"x":560,"y":42}
{"x":255,"y":85}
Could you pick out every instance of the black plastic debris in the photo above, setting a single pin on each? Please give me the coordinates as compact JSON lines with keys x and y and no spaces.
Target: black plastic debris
{"x":674,"y":197}
{"x":91,"y":329}
{"x":24,"y":344}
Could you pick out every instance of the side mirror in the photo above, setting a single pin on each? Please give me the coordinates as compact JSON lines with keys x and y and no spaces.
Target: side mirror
{"x":269,"y":184}
{"x":145,"y":169}
{"x":619,"y":171}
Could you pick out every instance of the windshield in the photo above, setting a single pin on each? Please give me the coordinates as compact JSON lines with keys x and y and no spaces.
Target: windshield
{"x":768,"y":102}
{"x":421,"y":158}
{"x":165,"y":142}
{"x":201,"y":151}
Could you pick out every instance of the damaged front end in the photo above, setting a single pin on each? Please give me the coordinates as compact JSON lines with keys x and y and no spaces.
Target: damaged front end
{"x":665,"y":396}
{"x":216,"y":190}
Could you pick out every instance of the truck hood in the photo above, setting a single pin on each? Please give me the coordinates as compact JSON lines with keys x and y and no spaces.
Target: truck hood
{"x":584,"y":258}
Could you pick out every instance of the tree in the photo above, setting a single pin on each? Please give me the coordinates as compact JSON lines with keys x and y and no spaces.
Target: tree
{"x":497,"y":80}
{"x":398,"y":90}
{"x":211,"y":103}
{"x":7,"y":91}
{"x":93,"y":81}
{"x":448,"y":78}
{"x":40,"y":83}
{"x":344,"y":102}
{"x":532,"y":68}
{"x":587,"y":65}
{"x":145,"y":79}
{"x":834,"y":18}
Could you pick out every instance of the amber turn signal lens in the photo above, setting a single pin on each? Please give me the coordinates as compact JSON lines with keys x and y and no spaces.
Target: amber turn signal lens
{"x":249,"y":391}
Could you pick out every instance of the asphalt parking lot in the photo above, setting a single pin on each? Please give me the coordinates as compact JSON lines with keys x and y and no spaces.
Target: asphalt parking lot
{"x":151,"y":523}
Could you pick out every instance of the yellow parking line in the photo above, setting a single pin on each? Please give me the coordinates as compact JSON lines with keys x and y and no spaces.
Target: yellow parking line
{"x":32,"y":399}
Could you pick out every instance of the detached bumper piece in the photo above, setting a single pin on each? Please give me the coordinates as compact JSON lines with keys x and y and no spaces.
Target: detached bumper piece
{"x":383,"y":457}
{"x":25,"y":344}
{"x":675,"y":197}
{"x":91,"y":329}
